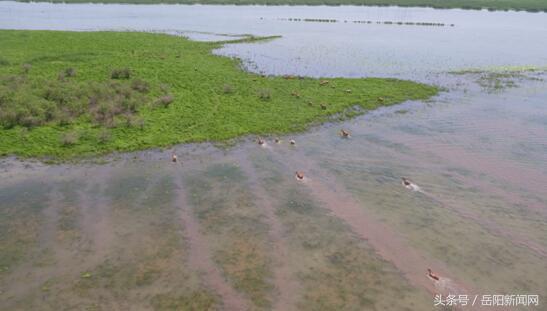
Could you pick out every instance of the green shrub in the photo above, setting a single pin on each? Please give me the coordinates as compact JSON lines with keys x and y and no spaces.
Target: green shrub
{"x":165,"y":100}
{"x":70,"y":72}
{"x":31,"y":103}
{"x":123,"y":73}
{"x":140,"y":86}
{"x":67,"y":73}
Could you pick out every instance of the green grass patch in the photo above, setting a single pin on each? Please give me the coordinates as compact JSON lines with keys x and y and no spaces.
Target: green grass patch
{"x":179,"y":92}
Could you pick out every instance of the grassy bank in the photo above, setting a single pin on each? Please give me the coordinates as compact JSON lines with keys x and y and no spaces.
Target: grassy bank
{"x":65,"y":94}
{"x":519,"y":5}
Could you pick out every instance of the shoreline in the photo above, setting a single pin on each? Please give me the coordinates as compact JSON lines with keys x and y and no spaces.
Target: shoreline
{"x":214,"y":99}
{"x":393,"y":3}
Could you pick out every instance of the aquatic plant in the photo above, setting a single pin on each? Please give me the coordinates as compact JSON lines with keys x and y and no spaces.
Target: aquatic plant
{"x":401,"y":23}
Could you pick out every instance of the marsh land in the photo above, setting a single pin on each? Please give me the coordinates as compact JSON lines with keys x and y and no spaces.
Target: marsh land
{"x":66,"y":94}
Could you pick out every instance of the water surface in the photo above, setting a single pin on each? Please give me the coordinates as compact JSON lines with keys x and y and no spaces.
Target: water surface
{"x":478,"y":39}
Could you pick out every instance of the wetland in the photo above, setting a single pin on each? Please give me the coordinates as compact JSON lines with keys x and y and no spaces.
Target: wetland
{"x":115,"y":224}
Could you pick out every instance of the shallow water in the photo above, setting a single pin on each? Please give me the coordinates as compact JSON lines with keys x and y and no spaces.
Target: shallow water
{"x":238,"y":230}
{"x":233,"y":229}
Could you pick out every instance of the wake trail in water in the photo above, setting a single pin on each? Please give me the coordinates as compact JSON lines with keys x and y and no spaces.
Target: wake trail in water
{"x":490,"y":226}
{"x":387,"y":243}
{"x":287,"y":286}
{"x":200,"y":254}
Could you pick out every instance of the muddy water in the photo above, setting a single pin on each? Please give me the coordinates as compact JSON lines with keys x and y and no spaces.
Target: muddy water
{"x":233,"y":228}
{"x":200,"y":254}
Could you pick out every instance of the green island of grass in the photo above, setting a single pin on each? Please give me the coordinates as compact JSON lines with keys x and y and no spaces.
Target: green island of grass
{"x":493,"y":5}
{"x":68,"y":94}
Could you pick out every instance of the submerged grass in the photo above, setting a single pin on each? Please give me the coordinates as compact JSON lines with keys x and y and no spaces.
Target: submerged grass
{"x":501,"y":78}
{"x":190,"y":82}
{"x":139,"y":261}
{"x":336,"y":269}
{"x":430,"y":225}
{"x":20,"y":208}
{"x":148,"y":268}
{"x":234,"y":225}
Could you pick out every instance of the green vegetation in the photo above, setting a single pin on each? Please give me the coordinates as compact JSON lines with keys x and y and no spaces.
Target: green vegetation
{"x":496,"y":79}
{"x":527,"y":5}
{"x":65,"y":94}
{"x":30,"y":103}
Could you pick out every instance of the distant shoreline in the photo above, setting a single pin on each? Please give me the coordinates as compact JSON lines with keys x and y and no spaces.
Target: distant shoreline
{"x":500,"y":5}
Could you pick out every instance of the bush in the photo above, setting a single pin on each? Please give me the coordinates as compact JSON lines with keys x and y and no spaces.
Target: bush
{"x":140,"y":86}
{"x":123,"y":73}
{"x":134,"y":121}
{"x":70,"y":138}
{"x":28,"y":102}
{"x":63,"y":118}
{"x":8,"y":118}
{"x":29,"y":121}
{"x":104,"y":112}
{"x":165,"y":100}
{"x":70,"y":72}
{"x":67,"y":73}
